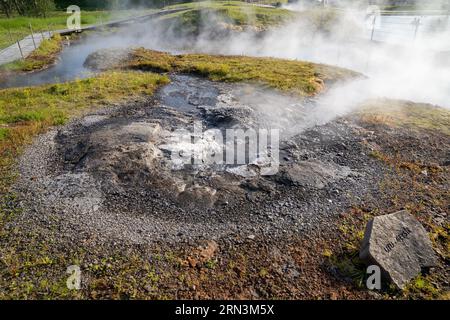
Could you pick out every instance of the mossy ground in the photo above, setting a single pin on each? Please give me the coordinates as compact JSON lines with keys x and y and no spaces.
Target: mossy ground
{"x":298,"y":77}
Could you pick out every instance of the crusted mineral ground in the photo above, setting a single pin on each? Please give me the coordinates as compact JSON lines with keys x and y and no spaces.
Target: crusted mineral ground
{"x":103,"y":192}
{"x":111,"y":173}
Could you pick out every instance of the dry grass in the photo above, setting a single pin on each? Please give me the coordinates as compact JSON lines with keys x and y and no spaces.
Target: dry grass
{"x":411,"y":115}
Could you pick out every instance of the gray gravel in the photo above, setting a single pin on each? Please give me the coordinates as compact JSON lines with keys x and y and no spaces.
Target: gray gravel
{"x":105,"y":176}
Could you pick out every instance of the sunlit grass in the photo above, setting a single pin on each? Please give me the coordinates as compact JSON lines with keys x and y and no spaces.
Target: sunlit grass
{"x":398,"y":113}
{"x":302,"y":78}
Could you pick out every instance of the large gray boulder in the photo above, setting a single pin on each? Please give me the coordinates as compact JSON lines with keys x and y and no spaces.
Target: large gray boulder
{"x":399,"y":245}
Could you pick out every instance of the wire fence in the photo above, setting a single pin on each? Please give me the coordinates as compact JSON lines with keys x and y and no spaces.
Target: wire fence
{"x":16,"y":41}
{"x":404,"y":29}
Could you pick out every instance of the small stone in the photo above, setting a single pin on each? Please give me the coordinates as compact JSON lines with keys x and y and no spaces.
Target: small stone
{"x":251,"y":237}
{"x":192,"y":262}
{"x":399,"y":245}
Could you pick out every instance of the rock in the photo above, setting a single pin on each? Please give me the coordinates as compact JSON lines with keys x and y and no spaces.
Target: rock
{"x":399,"y":244}
{"x":313,"y":174}
{"x":106,"y":59}
{"x":208,"y":251}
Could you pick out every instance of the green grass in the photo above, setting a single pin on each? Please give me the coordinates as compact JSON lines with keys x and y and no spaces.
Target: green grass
{"x":302,"y":78}
{"x":26,"y":112}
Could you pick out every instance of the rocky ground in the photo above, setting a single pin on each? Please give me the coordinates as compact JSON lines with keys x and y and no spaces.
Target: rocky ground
{"x":103,"y":193}
{"x":113,"y":162}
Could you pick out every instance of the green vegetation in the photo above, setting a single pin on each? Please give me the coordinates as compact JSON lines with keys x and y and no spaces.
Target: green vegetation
{"x":232,"y":12}
{"x":26,"y":7}
{"x":38,"y":270}
{"x":41,"y":58}
{"x":19,"y":26}
{"x":406,"y":114}
{"x":26,"y":112}
{"x":302,"y":78}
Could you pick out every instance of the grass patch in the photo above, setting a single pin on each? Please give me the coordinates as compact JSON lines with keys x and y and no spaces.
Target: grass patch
{"x":41,"y":58}
{"x":411,"y":115}
{"x":216,"y":15}
{"x":302,"y":78}
{"x":26,"y":112}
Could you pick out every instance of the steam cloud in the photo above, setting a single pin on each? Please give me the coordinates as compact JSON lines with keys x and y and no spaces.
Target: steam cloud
{"x":400,"y":64}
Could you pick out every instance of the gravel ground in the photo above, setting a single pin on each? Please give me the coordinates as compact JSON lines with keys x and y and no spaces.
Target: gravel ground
{"x":109,"y":174}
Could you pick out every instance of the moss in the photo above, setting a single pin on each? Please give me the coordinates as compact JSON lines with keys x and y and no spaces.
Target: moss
{"x":4,"y":133}
{"x":422,"y":287}
{"x":301,"y":78}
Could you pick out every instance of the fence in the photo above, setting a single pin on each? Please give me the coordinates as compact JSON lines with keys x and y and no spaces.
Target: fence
{"x":404,"y":29}
{"x":19,"y":42}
